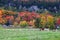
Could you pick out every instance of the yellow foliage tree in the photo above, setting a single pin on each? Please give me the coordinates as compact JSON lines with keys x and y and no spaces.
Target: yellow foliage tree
{"x":43,"y":20}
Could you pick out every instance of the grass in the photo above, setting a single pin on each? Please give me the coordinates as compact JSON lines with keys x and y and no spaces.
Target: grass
{"x":28,"y":34}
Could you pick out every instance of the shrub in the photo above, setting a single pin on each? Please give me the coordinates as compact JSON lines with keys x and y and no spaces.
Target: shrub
{"x":37,"y":22}
{"x":23,"y":24}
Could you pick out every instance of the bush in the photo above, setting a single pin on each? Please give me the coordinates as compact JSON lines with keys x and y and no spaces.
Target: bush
{"x":23,"y":24}
{"x":37,"y":22}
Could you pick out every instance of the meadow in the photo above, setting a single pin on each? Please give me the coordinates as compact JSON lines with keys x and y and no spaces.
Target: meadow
{"x":28,"y":34}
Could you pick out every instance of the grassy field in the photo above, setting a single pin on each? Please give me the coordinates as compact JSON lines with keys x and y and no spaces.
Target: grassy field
{"x":28,"y":34}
